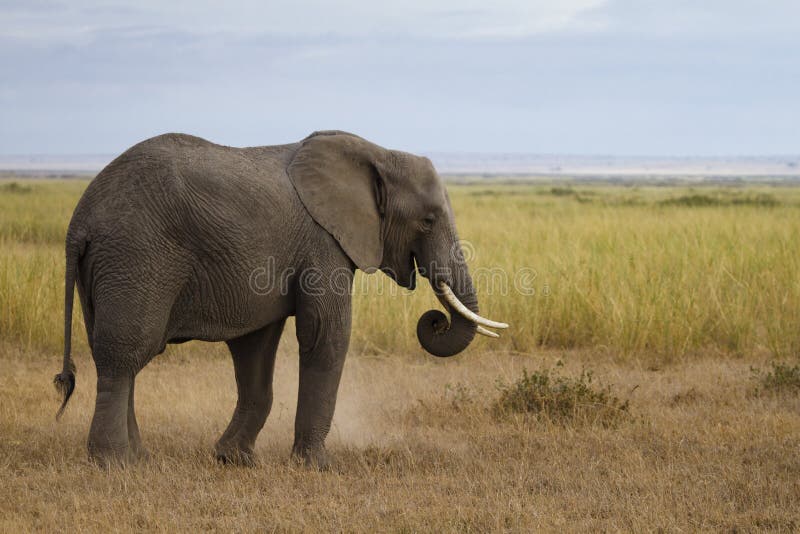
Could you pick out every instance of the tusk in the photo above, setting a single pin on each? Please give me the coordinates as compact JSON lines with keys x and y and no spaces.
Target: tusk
{"x":451,"y":299}
{"x":488,"y":333}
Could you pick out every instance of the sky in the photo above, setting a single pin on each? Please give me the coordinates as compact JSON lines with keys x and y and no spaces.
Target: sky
{"x":622,"y":77}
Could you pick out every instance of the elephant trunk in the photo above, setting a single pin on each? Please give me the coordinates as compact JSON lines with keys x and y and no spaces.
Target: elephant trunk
{"x":444,"y":338}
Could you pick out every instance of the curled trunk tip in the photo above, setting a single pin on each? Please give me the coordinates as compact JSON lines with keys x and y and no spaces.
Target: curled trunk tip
{"x":442,"y":337}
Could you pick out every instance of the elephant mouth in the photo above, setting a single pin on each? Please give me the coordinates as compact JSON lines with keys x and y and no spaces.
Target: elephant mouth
{"x":404,"y":275}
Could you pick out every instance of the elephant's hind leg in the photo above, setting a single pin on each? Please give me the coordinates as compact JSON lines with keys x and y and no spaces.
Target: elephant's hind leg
{"x":133,"y":288}
{"x":114,"y":434}
{"x":108,"y":434}
{"x":119,"y":354}
{"x":254,"y":363}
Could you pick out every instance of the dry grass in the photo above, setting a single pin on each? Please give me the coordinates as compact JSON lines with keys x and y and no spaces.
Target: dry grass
{"x":417,"y":448}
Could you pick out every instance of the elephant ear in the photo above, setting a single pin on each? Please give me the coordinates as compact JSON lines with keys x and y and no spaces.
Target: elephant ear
{"x":336,"y":176}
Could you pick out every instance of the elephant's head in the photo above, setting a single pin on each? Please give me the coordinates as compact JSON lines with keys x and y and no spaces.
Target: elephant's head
{"x":389,"y":210}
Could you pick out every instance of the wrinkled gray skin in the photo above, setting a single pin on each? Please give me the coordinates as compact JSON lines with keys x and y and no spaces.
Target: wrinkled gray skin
{"x":164,"y":244}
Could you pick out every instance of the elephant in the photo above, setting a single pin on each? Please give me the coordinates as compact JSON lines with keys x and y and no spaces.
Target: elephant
{"x":164,"y":243}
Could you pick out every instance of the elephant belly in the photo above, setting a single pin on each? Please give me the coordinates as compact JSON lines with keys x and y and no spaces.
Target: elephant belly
{"x":211,"y":310}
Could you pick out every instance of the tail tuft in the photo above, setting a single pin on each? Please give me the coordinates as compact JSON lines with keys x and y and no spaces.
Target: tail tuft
{"x":65,"y":380}
{"x":65,"y":385}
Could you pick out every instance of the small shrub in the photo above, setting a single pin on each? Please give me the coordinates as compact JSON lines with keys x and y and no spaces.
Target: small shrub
{"x":560,"y":399}
{"x":766,"y":201}
{"x":780,"y":378}
{"x":562,"y":191}
{"x":699,"y":201}
{"x":584,"y":197}
{"x":692,"y":201}
{"x":15,"y":188}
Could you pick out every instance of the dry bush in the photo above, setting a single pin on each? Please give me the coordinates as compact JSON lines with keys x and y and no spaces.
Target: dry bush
{"x":780,"y":378}
{"x":552,"y":397}
{"x":15,"y":188}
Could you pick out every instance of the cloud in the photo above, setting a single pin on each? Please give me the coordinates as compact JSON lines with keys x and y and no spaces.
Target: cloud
{"x":579,"y":76}
{"x":676,"y":18}
{"x":60,"y":21}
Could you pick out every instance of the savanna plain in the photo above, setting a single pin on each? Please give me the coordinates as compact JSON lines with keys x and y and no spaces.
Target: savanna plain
{"x":650,"y":381}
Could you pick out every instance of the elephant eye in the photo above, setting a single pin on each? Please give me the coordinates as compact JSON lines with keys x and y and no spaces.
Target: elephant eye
{"x":428,"y":221}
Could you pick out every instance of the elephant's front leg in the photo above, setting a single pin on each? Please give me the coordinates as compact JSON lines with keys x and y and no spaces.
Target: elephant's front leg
{"x":323,"y":332}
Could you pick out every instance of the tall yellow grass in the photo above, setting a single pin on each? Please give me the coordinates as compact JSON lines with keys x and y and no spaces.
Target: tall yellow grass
{"x":622,"y":270}
{"x":664,"y":271}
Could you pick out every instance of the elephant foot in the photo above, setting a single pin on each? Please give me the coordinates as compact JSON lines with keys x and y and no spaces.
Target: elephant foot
{"x":235,"y":456}
{"x":120,"y":456}
{"x":312,"y":456}
{"x":107,"y":458}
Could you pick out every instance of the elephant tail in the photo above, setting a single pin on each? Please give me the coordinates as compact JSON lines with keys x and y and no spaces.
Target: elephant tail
{"x":65,"y":380}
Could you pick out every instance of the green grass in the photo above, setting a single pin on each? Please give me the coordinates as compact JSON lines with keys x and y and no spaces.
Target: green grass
{"x":629,"y":270}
